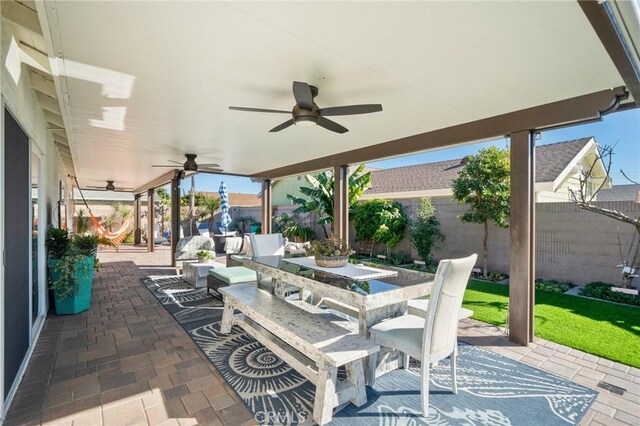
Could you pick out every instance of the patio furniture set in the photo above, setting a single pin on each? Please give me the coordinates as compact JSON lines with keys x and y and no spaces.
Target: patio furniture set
{"x":368,"y":320}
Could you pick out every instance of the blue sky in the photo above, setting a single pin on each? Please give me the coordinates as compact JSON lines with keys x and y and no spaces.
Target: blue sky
{"x":621,"y":129}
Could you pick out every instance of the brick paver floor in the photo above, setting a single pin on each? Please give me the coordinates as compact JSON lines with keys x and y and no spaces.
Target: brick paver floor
{"x":127,"y":361}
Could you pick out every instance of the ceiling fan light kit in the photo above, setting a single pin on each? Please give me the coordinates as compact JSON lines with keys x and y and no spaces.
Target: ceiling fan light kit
{"x":306,"y":112}
{"x":191,"y":165}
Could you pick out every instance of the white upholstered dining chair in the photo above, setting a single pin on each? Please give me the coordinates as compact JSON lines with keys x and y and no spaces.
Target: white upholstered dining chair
{"x":267,"y":244}
{"x":432,"y":337}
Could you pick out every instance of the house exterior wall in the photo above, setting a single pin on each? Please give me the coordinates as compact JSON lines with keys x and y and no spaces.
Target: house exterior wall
{"x":289,"y":185}
{"x":571,"y":244}
{"x":19,"y":98}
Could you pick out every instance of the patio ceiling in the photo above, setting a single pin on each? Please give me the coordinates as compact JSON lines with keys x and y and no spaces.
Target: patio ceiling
{"x":144,"y":82}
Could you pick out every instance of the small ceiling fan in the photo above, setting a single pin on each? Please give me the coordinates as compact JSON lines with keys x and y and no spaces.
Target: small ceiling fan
{"x":191,"y":166}
{"x":306,"y":113}
{"x":109,"y":187}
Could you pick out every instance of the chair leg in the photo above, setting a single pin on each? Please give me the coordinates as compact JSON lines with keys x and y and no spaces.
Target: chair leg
{"x":454,"y":378}
{"x":424,"y":389}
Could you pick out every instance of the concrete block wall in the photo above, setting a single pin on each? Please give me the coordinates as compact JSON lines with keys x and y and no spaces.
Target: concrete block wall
{"x":571,"y":244}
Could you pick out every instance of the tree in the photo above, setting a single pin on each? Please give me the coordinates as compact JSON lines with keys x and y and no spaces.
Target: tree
{"x":381,"y":221}
{"x":585,"y":197}
{"x":162,"y":207}
{"x":318,"y":196}
{"x":483,"y":184}
{"x":424,"y":229}
{"x":210,"y":206}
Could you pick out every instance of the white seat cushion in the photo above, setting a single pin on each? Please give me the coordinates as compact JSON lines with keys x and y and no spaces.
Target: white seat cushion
{"x":401,"y":332}
{"x":419,"y":307}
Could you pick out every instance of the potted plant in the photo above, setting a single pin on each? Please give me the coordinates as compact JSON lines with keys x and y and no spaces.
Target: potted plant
{"x":330,"y":253}
{"x":72,"y":262}
{"x":204,"y":256}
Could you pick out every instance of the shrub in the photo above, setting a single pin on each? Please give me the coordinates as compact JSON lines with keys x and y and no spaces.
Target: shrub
{"x":400,"y":258}
{"x":424,"y":229}
{"x":553,"y":286}
{"x":600,"y":290}
{"x":381,"y":221}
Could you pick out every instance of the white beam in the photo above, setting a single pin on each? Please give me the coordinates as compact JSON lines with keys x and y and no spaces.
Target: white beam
{"x":53,"y":118}
{"x":42,"y":84}
{"x":34,"y":58}
{"x":21,"y":15}
{"x":60,"y":132}
{"x":47,"y":103}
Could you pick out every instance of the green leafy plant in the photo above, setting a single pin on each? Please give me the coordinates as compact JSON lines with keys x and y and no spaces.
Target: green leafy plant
{"x":210,"y":206}
{"x":292,"y":229}
{"x":381,"y":221}
{"x":57,"y":243}
{"x":318,"y":196}
{"x":86,"y":245}
{"x":484,"y":184}
{"x":330,"y":247}
{"x":553,"y":286}
{"x":82,"y":222}
{"x":202,"y":254}
{"x":68,"y":270}
{"x":600,"y":290}
{"x":424,"y":229}
{"x":400,"y":258}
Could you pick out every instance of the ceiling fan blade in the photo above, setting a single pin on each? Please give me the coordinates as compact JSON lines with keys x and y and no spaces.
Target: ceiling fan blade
{"x":166,"y":165}
{"x":175,"y":162}
{"x":277,"y":111}
{"x":282,"y":126}
{"x":331,"y":125}
{"x":211,"y":165}
{"x":351,"y":110}
{"x":303,"y":95}
{"x":209,"y":169}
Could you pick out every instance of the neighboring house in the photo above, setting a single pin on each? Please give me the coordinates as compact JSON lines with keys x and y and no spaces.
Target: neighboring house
{"x":291,"y":185}
{"x":557,"y":173}
{"x":630,"y":192}
{"x":237,"y":199}
{"x":101,"y":202}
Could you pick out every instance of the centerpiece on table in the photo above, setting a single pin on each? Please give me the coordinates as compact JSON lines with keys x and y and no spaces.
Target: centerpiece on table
{"x":329,"y":253}
{"x":72,"y":261}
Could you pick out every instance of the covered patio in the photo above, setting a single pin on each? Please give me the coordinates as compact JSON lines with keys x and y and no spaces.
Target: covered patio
{"x":108,"y":91}
{"x":128,"y":361}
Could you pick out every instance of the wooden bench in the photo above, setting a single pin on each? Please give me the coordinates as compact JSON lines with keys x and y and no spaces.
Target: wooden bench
{"x":310,"y":340}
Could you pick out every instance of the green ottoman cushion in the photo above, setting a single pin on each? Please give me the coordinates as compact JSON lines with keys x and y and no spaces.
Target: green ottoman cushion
{"x":234,"y":275}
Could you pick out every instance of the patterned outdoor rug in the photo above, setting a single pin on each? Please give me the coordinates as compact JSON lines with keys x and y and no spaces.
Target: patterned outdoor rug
{"x":492,"y":389}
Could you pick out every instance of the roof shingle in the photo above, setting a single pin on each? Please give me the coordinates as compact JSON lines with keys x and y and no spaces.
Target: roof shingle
{"x":551,"y":160}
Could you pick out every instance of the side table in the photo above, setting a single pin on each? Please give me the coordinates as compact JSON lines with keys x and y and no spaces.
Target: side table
{"x":195,"y":273}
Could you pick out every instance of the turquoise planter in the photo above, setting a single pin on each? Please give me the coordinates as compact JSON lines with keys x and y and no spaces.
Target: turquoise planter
{"x":81,"y":301}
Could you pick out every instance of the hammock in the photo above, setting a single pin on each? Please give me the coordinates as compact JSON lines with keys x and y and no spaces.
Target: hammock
{"x":113,"y":238}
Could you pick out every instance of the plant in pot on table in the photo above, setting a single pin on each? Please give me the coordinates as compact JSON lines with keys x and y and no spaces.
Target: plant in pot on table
{"x":72,"y":262}
{"x":330,"y":253}
{"x":204,"y":256}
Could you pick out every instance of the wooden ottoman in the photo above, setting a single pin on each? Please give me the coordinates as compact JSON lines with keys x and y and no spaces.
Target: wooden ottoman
{"x":223,"y":277}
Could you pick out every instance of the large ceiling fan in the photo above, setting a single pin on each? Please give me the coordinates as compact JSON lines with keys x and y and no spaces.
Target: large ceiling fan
{"x":191,"y":166}
{"x":109,"y":187}
{"x":306,"y":113}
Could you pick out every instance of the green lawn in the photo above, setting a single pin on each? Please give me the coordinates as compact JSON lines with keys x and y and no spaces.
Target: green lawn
{"x":600,"y":328}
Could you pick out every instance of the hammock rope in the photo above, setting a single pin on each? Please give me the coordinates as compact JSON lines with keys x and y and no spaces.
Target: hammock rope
{"x":114,"y":238}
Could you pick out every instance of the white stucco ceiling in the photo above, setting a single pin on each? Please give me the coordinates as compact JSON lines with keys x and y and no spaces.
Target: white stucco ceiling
{"x":167,"y":72}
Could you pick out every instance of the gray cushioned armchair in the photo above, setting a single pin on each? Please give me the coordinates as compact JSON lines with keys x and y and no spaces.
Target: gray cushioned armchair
{"x":188,"y":247}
